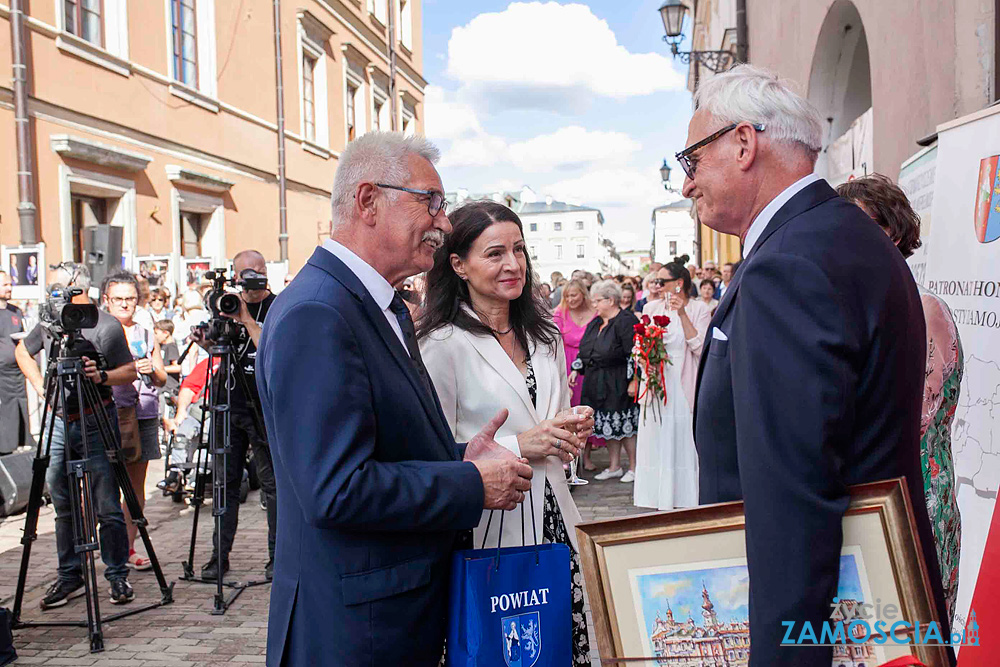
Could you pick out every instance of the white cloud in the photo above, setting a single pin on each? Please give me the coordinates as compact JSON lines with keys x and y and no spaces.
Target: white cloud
{"x":570,"y":147}
{"x":447,"y":118}
{"x":623,"y":186}
{"x":552,"y":56}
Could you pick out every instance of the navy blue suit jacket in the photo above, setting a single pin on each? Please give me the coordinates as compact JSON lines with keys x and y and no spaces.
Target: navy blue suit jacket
{"x":371,"y":483}
{"x":818,"y":387}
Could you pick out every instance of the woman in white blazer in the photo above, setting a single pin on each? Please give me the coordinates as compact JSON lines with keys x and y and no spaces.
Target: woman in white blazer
{"x":488,"y":343}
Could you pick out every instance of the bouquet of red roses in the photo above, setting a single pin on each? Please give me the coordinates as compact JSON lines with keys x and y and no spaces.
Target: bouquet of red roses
{"x":649,"y":355}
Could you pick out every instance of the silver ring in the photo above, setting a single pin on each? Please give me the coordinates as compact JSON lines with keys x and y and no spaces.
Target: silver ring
{"x":558,"y":444}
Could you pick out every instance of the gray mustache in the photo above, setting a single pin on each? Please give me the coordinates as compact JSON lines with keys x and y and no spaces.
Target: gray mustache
{"x":434,"y":235}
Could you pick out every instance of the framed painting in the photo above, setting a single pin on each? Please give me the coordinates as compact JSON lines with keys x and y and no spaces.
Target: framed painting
{"x":673,"y":586}
{"x":27,"y":270}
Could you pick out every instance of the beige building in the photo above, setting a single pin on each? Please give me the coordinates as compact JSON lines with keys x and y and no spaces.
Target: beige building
{"x":159,"y":117}
{"x":883,"y":73}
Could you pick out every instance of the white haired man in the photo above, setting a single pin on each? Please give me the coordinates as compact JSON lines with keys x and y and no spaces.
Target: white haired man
{"x":812,"y":372}
{"x":374,"y":490}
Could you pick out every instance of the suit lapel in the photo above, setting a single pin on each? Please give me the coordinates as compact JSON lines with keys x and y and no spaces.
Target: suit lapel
{"x":325,"y":260}
{"x":809,"y":197}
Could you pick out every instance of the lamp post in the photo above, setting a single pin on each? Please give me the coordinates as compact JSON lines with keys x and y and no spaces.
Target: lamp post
{"x":672,"y":12}
{"x":665,"y":176}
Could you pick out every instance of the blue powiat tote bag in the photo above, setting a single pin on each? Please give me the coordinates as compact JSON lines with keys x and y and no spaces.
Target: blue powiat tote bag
{"x":510,"y":606}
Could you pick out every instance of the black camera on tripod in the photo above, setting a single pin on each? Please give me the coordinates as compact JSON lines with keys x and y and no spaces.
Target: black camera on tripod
{"x":60,"y":315}
{"x":221,"y":303}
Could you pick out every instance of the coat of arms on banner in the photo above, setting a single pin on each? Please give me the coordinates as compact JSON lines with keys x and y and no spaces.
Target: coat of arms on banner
{"x":988,"y":201}
{"x":522,"y":639}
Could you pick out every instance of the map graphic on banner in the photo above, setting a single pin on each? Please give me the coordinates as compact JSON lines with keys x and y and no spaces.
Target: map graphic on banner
{"x":962,"y":255}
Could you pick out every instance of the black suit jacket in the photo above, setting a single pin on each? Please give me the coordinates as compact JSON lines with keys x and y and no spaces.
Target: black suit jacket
{"x":818,"y":387}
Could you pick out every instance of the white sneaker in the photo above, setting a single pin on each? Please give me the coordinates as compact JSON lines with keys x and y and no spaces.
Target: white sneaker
{"x":627,"y":477}
{"x":609,"y":474}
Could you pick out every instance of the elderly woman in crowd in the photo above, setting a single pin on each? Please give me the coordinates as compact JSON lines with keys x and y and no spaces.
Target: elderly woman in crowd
{"x":887,"y":205}
{"x":706,"y":294}
{"x":604,"y":363}
{"x":666,"y":472}
{"x":488,"y":343}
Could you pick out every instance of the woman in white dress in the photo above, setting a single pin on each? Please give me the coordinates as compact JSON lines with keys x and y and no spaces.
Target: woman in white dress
{"x":488,"y":343}
{"x":666,"y":474}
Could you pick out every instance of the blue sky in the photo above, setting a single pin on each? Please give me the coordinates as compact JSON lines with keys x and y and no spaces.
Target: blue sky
{"x":581,"y":101}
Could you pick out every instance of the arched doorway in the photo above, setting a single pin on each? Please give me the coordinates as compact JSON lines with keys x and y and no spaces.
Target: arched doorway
{"x":840,"y":86}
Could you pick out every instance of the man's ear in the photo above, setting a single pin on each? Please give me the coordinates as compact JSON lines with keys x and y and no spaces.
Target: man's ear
{"x":365,"y":199}
{"x":747,"y":146}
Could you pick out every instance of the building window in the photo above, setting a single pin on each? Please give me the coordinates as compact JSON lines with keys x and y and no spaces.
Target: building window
{"x":405,"y":24}
{"x":352,"y":91}
{"x":309,"y":97}
{"x":532,"y":226}
{"x":559,"y":254}
{"x":185,"y":38}
{"x":86,"y":212}
{"x":83,"y":19}
{"x":579,"y":224}
{"x":533,"y":252}
{"x":579,"y":251}
{"x":557,"y":226}
{"x":673,"y":248}
{"x":376,"y":124}
{"x":192,"y":233}
{"x":380,"y":10}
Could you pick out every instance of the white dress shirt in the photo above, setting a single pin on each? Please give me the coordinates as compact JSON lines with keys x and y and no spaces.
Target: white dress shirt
{"x":759,"y":223}
{"x":380,"y":289}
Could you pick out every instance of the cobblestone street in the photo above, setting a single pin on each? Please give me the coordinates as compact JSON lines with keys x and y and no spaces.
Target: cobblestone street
{"x":185,"y":632}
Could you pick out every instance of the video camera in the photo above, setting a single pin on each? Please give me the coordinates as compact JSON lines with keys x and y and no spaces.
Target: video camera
{"x":60,"y":315}
{"x":221,"y":303}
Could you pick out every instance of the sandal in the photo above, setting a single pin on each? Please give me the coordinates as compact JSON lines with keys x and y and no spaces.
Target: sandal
{"x":138,"y":562}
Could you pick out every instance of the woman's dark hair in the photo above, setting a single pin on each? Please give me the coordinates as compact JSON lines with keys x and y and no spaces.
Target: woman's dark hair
{"x":679,"y":271}
{"x":446,"y":292}
{"x":120,"y":278}
{"x":887,"y":205}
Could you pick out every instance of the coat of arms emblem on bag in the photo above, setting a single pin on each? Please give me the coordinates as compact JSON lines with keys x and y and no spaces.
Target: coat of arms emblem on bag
{"x":522,"y":639}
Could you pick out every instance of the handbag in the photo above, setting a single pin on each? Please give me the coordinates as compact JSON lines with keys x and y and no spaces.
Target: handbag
{"x":128,"y":428}
{"x":510,"y":606}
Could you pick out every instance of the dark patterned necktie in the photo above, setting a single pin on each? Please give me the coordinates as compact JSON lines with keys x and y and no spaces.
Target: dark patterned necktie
{"x":402,"y":313}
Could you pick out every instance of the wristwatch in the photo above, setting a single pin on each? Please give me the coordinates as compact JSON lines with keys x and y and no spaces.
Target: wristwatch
{"x":104,"y":377}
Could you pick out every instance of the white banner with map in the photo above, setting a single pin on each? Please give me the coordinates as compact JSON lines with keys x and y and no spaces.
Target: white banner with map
{"x":963,"y":268}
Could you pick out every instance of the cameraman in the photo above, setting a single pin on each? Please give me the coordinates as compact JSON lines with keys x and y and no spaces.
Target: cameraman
{"x":244,"y":434}
{"x":107,"y":339}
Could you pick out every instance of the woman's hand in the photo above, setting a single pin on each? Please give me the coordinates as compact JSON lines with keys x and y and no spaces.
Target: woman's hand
{"x":144,"y":366}
{"x":633,"y":387}
{"x":572,"y":378}
{"x":583,"y":428}
{"x":552,"y":437}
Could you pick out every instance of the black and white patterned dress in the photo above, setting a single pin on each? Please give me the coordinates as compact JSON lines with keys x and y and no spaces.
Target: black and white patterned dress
{"x":605,"y":364}
{"x":554,"y":531}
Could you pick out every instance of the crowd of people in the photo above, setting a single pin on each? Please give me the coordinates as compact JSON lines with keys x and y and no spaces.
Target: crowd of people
{"x":417,"y":376}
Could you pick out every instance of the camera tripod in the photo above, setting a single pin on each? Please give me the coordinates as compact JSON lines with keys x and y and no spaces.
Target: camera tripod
{"x":65,"y":377}
{"x":223,"y":370}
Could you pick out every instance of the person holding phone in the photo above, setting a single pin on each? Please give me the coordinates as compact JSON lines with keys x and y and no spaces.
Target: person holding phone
{"x":138,"y":403}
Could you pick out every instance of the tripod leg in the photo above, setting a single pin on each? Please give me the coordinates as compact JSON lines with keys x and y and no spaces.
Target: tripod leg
{"x":219,"y":388}
{"x":85,"y":518}
{"x":38,"y":469}
{"x":198,"y":499}
{"x":112,"y":447}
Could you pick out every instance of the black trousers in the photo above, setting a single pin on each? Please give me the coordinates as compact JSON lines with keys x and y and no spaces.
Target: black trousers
{"x":243,"y":435}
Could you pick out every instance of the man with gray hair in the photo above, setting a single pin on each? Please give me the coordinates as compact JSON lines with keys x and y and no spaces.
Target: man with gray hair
{"x":374,"y":490}
{"x":812,"y":372}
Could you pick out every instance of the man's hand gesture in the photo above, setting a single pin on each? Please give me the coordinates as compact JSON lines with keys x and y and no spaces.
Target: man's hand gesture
{"x":506,"y":478}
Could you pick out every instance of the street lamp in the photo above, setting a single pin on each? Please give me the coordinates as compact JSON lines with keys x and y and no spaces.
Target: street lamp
{"x":672,"y":12}
{"x":665,"y":176}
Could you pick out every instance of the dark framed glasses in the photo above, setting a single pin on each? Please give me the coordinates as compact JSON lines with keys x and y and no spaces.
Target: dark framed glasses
{"x":436,"y":203}
{"x":684,"y":157}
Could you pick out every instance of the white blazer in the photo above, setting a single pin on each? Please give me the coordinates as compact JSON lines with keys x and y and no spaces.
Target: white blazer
{"x":475,"y":379}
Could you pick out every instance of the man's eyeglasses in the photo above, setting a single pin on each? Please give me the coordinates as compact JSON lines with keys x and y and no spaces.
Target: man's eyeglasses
{"x":684,"y":157}
{"x":436,"y":202}
{"x":123,"y":300}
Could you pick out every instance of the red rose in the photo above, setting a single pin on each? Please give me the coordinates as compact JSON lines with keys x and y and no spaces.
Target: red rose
{"x":639,"y":329}
{"x":661,"y":320}
{"x":645,"y":319}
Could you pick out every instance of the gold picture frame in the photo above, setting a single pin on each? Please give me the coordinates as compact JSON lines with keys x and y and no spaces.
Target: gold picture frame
{"x":628,"y":568}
